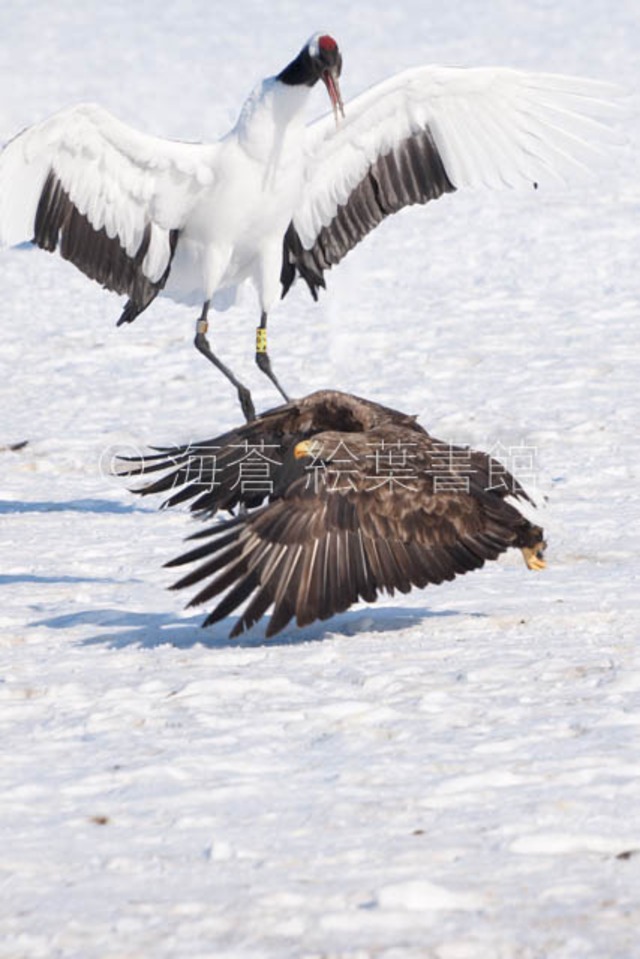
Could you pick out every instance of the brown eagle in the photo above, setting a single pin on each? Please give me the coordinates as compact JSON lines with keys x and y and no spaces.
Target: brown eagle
{"x":336,"y":499}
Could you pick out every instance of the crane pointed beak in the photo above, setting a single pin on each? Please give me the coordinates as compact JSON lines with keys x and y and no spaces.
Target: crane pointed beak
{"x":330,"y":80}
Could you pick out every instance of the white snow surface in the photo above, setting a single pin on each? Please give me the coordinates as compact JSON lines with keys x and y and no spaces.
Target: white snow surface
{"x":451,"y":774}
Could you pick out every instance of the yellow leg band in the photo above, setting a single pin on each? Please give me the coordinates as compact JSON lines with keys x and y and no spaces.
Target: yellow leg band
{"x":261,"y":340}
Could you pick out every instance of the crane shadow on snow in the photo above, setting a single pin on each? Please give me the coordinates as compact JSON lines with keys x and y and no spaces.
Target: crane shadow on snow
{"x":126,"y":628}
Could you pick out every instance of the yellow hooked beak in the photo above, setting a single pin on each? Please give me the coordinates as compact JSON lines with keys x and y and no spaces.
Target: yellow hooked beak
{"x":303,"y":449}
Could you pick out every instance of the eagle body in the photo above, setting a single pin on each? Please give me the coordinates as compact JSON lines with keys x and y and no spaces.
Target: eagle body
{"x":337,"y":499}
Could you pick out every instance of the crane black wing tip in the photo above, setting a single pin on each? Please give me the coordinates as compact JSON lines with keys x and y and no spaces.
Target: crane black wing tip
{"x":130,"y":312}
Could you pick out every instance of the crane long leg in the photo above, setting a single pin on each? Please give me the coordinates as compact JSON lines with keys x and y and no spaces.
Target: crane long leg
{"x":202,"y":344}
{"x":262,"y":357}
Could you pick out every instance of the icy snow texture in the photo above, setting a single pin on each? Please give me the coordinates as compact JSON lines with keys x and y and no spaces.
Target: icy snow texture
{"x":452,"y":774}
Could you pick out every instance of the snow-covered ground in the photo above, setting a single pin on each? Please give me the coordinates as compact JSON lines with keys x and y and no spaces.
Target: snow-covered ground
{"x":453,"y":774}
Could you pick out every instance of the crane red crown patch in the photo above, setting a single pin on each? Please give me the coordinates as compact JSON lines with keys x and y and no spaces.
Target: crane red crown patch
{"x":327,"y":43}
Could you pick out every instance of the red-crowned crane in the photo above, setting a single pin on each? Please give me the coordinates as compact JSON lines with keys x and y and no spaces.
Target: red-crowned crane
{"x":276,"y":197}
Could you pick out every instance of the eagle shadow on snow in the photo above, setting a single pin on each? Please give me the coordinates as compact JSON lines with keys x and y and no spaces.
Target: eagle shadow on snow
{"x":88,"y":505}
{"x":149,"y":630}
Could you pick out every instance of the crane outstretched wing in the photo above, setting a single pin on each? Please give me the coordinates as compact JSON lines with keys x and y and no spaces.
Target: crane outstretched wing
{"x":430,"y":131}
{"x":112,"y":200}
